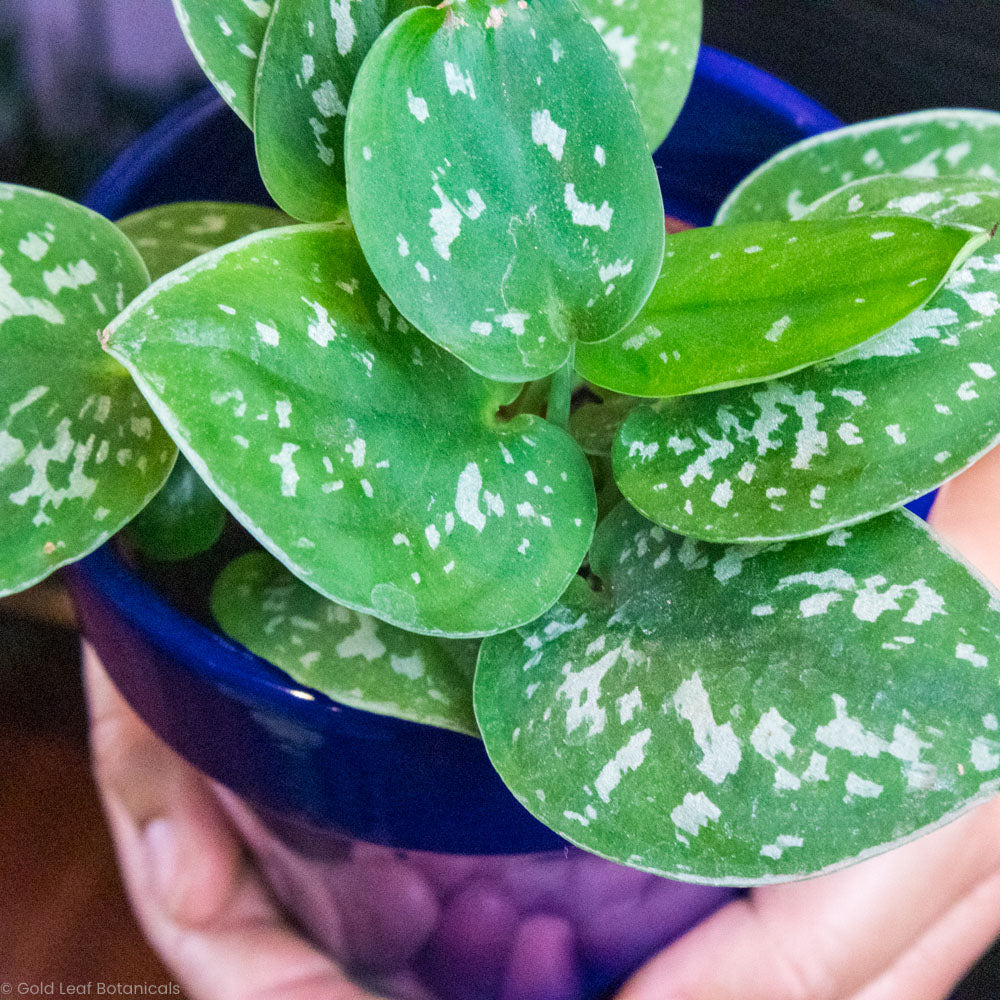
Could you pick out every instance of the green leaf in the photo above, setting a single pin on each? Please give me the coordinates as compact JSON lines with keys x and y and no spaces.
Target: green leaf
{"x":364,"y":457}
{"x":946,"y":201}
{"x":352,"y":658}
{"x":655,"y":43}
{"x":741,"y":303}
{"x":312,"y":52}
{"x":500,"y":185}
{"x":170,"y":235}
{"x":748,"y":715}
{"x":183,"y":520}
{"x":934,"y":143}
{"x":225,"y":37}
{"x":919,"y":403}
{"x":80,"y":452}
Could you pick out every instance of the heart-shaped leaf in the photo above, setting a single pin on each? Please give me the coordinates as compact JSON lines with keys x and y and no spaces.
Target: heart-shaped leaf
{"x":225,"y":37}
{"x":741,"y":303}
{"x":947,"y":201}
{"x":748,"y":715}
{"x":655,"y":43}
{"x":311,"y":54}
{"x":183,"y":520}
{"x":364,"y":457}
{"x":170,"y":235}
{"x":350,"y":657}
{"x":80,"y":452}
{"x":934,"y":143}
{"x":500,"y":185}
{"x":796,"y":457}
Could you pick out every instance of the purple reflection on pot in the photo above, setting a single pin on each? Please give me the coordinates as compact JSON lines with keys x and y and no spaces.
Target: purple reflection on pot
{"x":557,"y":925}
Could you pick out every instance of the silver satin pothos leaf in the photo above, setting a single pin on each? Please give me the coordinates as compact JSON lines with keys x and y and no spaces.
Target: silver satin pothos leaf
{"x":655,"y":43}
{"x":945,"y":201}
{"x":921,"y":144}
{"x":350,"y":657}
{"x":751,"y":714}
{"x":500,"y":185}
{"x":796,"y":456}
{"x":225,"y":37}
{"x":372,"y":463}
{"x":80,"y":451}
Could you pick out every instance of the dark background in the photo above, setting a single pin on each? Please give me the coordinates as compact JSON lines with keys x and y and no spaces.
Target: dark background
{"x":61,"y":910}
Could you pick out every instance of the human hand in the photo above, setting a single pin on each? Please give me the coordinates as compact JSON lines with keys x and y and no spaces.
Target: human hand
{"x":199,"y":902}
{"x":908,"y":924}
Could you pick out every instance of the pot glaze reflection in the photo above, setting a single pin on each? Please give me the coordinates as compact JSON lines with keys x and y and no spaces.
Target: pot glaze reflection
{"x":413,"y":925}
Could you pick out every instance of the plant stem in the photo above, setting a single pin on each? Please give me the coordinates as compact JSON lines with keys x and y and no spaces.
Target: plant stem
{"x":561,"y":392}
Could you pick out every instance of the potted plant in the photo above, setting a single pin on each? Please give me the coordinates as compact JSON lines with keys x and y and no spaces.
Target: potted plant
{"x":727,"y":677}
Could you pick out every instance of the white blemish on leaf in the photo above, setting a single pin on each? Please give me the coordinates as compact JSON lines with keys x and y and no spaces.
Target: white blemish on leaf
{"x":323,"y":329}
{"x":35,"y":247}
{"x":417,"y":106}
{"x":772,"y":736}
{"x":446,"y":223}
{"x":862,"y":787}
{"x":722,"y":494}
{"x":457,"y":82}
{"x":853,"y":396}
{"x":545,"y":132}
{"x":582,"y":690}
{"x":356,"y":449}
{"x":470,"y":484}
{"x":364,"y":642}
{"x":628,"y":705}
{"x":628,"y":758}
{"x":776,"y":849}
{"x":778,"y":328}
{"x":514,"y":321}
{"x":327,"y":100}
{"x":695,"y":812}
{"x":73,"y":277}
{"x":896,"y":433}
{"x":346,"y":31}
{"x":268,"y":334}
{"x":404,"y":247}
{"x":585,"y":214}
{"x":966,"y":651}
{"x":984,"y":754}
{"x":646,"y":452}
{"x":616,"y":270}
{"x":433,"y":536}
{"x":719,"y":744}
{"x":849,"y":433}
{"x":289,"y":474}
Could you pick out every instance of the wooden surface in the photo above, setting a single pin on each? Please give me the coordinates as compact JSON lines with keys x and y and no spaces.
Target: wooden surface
{"x":63,"y":914}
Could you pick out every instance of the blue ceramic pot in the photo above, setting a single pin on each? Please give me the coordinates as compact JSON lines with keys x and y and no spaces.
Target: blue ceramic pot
{"x":395,"y":845}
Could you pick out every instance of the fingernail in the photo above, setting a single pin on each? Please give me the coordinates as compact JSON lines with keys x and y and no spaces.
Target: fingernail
{"x":161,"y":856}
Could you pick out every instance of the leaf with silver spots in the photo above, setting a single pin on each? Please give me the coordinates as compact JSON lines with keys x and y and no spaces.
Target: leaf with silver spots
{"x":751,"y":714}
{"x":368,"y":460}
{"x":80,"y":451}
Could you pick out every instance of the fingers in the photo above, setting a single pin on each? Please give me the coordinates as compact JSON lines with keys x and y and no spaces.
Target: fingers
{"x":933,"y":966}
{"x":181,"y":847}
{"x":200,"y":904}
{"x":826,"y":938}
{"x":966,"y":515}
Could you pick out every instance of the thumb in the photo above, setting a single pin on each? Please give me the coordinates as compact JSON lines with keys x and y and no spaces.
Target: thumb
{"x":200,"y":903}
